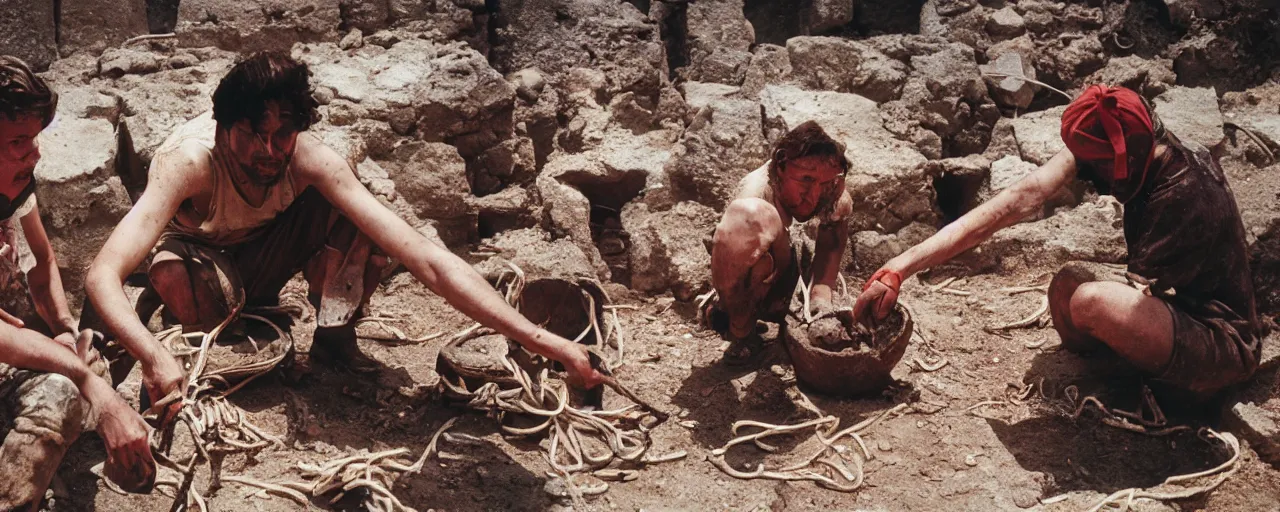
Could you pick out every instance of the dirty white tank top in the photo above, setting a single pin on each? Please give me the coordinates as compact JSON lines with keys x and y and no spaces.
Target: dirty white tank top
{"x":231,"y":219}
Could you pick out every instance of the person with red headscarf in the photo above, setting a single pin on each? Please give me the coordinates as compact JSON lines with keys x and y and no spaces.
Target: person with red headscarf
{"x":1195,"y":328}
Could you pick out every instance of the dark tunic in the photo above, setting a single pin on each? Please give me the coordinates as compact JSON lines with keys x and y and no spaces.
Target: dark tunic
{"x":1184,"y":233}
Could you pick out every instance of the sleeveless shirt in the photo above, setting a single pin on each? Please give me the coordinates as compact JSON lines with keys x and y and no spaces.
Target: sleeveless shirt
{"x":230,"y":219}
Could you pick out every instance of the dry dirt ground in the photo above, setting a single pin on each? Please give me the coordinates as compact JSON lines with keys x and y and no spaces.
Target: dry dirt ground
{"x":939,"y":455}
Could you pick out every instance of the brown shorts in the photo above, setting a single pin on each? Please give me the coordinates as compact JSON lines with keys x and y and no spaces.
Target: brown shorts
{"x":1209,"y":352}
{"x":302,"y":238}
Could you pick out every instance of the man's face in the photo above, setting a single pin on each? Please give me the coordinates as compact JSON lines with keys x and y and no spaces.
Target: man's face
{"x":19,"y":152}
{"x":803,"y":182}
{"x":264,"y":151}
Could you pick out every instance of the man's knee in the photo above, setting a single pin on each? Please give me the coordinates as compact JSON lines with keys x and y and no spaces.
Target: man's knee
{"x":748,"y":224}
{"x":50,"y":410}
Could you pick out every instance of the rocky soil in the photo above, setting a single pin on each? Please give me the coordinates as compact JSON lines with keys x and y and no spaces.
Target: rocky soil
{"x":609,"y":133}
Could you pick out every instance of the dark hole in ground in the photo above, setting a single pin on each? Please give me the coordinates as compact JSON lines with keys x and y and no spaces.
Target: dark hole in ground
{"x":775,"y":21}
{"x":673,"y":28}
{"x":162,"y":15}
{"x":957,"y":194}
{"x":607,"y":197}
{"x":641,"y":5}
{"x":879,"y":17}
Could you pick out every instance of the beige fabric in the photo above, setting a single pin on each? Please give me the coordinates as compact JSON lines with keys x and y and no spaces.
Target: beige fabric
{"x":41,"y":414}
{"x":230,"y":219}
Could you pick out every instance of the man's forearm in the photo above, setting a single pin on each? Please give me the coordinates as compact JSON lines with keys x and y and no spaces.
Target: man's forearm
{"x":463,"y":288}
{"x":107,"y":295}
{"x":30,"y":350}
{"x":45,"y":283}
{"x":964,"y":233}
{"x":829,"y":250}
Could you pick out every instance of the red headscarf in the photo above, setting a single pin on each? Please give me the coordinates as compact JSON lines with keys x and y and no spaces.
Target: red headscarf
{"x":1121,"y":113}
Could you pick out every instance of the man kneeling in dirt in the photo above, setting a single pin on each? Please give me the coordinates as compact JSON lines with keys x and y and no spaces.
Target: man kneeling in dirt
{"x":50,"y":388}
{"x":240,"y":199}
{"x":1196,"y":328}
{"x":754,"y":264}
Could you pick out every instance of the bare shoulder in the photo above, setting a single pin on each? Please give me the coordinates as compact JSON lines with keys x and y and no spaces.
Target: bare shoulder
{"x":755,"y":185}
{"x":842,"y":209}
{"x":315,"y":161}
{"x":186,"y":168}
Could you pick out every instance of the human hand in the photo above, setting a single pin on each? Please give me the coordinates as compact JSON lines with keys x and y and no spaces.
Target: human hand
{"x":878,"y":296}
{"x":130,"y":463}
{"x":161,"y":379}
{"x":577,"y":362}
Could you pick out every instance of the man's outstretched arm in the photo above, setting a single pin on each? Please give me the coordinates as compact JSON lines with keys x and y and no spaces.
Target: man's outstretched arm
{"x":440,"y":270}
{"x":1005,"y":209}
{"x":127,"y":247}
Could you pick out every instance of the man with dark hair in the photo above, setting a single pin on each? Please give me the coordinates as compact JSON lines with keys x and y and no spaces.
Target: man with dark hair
{"x":754,"y":266}
{"x":51,"y":379}
{"x":1195,"y":327}
{"x":240,"y":199}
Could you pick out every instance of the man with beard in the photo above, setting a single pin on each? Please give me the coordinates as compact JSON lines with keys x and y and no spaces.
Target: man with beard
{"x":51,"y":378}
{"x":240,"y":199}
{"x":1195,"y":328}
{"x":754,"y":264}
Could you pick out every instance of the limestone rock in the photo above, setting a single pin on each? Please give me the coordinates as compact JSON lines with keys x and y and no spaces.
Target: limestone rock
{"x":824,"y":15}
{"x":1260,"y":427}
{"x":556,"y":36}
{"x":536,"y":253}
{"x":94,"y":25}
{"x":433,"y":178}
{"x":1034,"y":137}
{"x":364,"y":15}
{"x":1183,"y":12}
{"x":253,"y":25}
{"x":435,"y":92}
{"x":80,"y":195}
{"x":1191,"y":114}
{"x":770,"y":64}
{"x":1008,"y":89}
{"x":838,"y":64}
{"x":719,"y":41}
{"x":511,"y":208}
{"x":117,"y":62}
{"x":668,"y":248}
{"x":1005,"y":23}
{"x":1148,"y":76}
{"x":886,"y":177}
{"x":944,"y":106}
{"x":871,"y":249}
{"x":722,"y":144}
{"x":28,"y":31}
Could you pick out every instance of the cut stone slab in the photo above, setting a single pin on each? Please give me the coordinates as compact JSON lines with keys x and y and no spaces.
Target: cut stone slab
{"x":1034,"y":137}
{"x":1259,"y":427}
{"x":1192,"y":114}
{"x":28,"y":32}
{"x":1011,"y":91}
{"x":1005,"y":24}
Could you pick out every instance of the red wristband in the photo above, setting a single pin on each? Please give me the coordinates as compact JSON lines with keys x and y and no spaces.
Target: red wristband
{"x":890,"y":278}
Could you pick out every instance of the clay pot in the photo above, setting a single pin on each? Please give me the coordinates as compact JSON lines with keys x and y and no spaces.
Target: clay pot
{"x":848,"y":372}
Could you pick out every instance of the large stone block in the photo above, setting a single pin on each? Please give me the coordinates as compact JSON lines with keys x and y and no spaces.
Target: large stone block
{"x":1192,"y":114}
{"x":557,"y":36}
{"x":95,"y":25}
{"x":1089,"y":232}
{"x":723,"y":143}
{"x":28,"y":31}
{"x":719,"y":40}
{"x":437,"y":92}
{"x":841,"y":65}
{"x":253,"y":25}
{"x":887,"y":177}
{"x":668,"y":248}
{"x":81,"y":197}
{"x":1034,"y":137}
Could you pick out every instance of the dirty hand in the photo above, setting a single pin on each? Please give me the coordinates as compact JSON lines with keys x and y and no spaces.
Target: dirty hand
{"x":130,"y":463}
{"x":582,"y":374}
{"x":88,"y":354}
{"x":162,"y":378}
{"x":878,"y":296}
